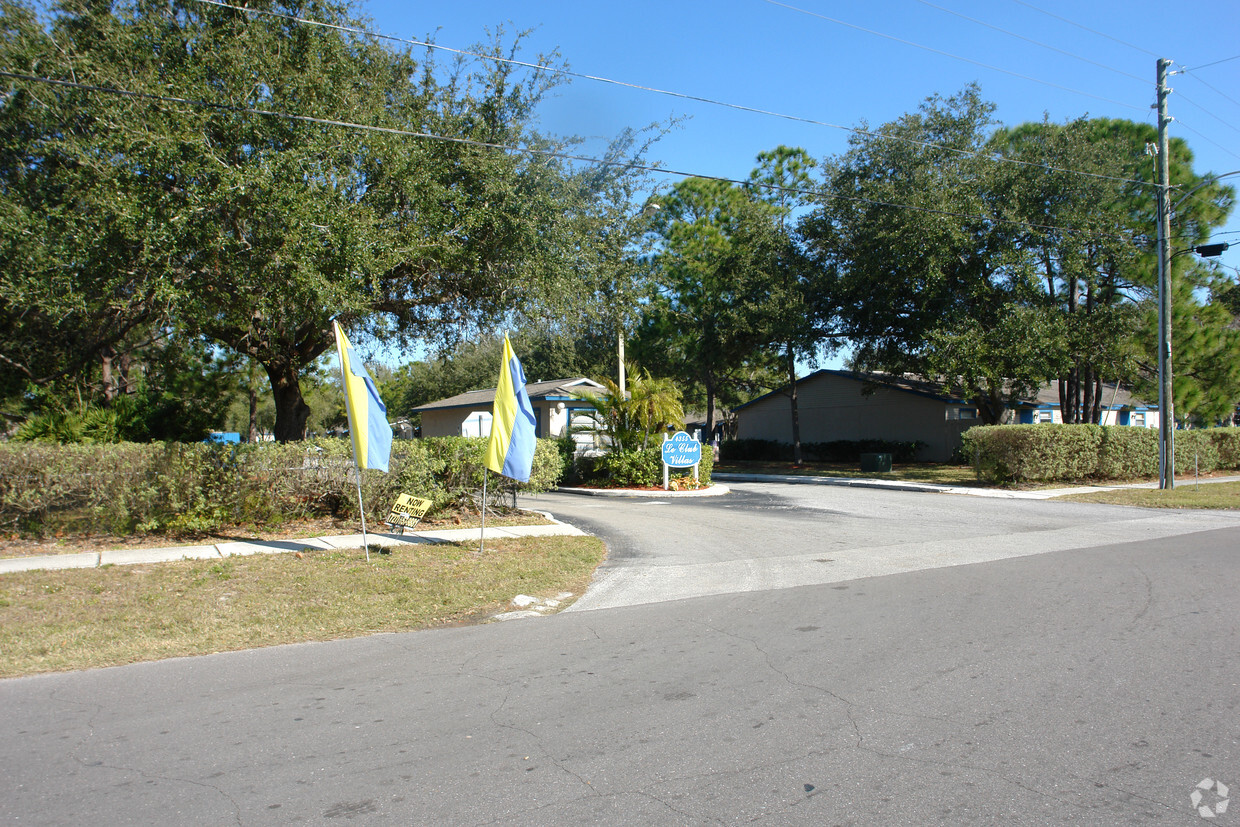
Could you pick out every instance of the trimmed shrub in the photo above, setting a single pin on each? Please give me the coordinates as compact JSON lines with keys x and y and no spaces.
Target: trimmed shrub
{"x":1195,"y":451}
{"x":1028,"y":453}
{"x":1227,"y":444}
{"x":195,"y":487}
{"x":639,"y":468}
{"x":762,"y":450}
{"x":1073,"y":453}
{"x":1127,"y":453}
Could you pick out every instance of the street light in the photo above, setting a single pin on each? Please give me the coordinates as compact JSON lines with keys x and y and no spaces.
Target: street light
{"x":1211,"y":250}
{"x":1166,"y":397}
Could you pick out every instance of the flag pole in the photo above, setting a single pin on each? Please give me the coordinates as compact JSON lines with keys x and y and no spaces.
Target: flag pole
{"x":482,"y":537}
{"x":361,"y":506}
{"x":357,"y":471}
{"x":367,"y":419}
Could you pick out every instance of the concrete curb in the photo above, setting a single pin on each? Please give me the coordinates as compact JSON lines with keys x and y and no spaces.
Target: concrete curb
{"x":130,"y":557}
{"x":713,"y":491}
{"x":930,"y":488}
{"x":846,"y":482}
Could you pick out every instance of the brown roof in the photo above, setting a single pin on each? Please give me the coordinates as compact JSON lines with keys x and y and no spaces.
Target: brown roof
{"x":1048,"y":394}
{"x":553,"y":389}
{"x":1111,"y":398}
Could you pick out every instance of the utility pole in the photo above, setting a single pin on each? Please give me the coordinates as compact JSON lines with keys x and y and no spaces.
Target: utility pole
{"x":1166,"y":398}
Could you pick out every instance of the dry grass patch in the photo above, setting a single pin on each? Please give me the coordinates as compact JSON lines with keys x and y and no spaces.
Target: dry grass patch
{"x":1215,"y":495}
{"x":71,"y":542}
{"x":62,"y":620}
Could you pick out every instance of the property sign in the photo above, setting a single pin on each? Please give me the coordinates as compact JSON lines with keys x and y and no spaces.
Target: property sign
{"x":408,"y":511}
{"x":682,"y":451}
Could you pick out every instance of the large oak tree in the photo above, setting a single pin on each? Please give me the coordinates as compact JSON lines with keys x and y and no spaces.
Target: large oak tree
{"x":200,"y":173}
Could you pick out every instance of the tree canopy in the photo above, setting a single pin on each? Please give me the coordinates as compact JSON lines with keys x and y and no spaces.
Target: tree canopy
{"x":193,"y":172}
{"x":999,"y":259}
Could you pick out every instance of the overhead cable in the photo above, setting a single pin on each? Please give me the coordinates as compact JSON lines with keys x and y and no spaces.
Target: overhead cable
{"x":681,"y":95}
{"x":952,"y":56}
{"x":1211,"y":87}
{"x":1019,"y":36}
{"x":1190,"y":102}
{"x":814,"y":193}
{"x":1215,"y":63}
{"x":1086,"y":28}
{"x":1228,"y":150}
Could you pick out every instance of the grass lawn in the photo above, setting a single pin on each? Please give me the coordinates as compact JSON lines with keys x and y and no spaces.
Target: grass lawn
{"x":1185,"y":495}
{"x":85,"y":618}
{"x":910,"y":472}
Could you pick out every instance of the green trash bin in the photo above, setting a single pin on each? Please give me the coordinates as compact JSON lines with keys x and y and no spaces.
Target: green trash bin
{"x":876,"y":462}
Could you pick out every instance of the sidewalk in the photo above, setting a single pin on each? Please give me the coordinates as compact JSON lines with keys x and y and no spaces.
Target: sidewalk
{"x":931,"y":488}
{"x":128,"y":557}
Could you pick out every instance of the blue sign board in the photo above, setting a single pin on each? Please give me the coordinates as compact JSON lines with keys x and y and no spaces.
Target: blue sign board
{"x":682,"y":451}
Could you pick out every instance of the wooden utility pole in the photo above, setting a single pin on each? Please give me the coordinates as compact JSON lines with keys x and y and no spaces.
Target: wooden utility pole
{"x":1166,"y":398}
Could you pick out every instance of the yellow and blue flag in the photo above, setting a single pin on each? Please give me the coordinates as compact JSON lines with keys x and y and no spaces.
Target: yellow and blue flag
{"x":510,"y":450}
{"x":368,"y":425}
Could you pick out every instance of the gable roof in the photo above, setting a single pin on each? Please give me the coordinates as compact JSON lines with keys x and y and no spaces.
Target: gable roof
{"x":1048,"y":394}
{"x":915,"y":385}
{"x":554,"y":389}
{"x":1112,"y":398}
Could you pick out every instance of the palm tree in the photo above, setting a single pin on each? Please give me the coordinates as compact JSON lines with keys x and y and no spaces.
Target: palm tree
{"x":626,"y":422}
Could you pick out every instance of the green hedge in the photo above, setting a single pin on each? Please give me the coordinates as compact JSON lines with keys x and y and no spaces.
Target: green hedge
{"x":179,"y":487}
{"x":1076,"y":453}
{"x":636,"y":469}
{"x":840,"y":450}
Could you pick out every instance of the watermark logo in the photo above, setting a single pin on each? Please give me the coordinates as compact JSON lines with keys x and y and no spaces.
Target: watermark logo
{"x":1210,"y":798}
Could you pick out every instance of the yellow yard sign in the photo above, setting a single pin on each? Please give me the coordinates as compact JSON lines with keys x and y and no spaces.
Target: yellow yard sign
{"x":408,"y":511}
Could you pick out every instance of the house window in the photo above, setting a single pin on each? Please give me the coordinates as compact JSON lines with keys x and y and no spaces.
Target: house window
{"x":1045,"y":416}
{"x":962,"y":413}
{"x":1138,"y":419}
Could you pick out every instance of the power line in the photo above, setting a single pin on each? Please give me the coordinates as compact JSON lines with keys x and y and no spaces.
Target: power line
{"x":1056,"y":49}
{"x":1216,"y":63}
{"x":1191,"y":102}
{"x":681,"y":95}
{"x":952,"y":56}
{"x":1211,"y":87}
{"x":1202,"y":136}
{"x":1086,"y":28}
{"x":821,"y":194}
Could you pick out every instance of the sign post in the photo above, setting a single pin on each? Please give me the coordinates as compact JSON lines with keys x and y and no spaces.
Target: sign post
{"x":680,"y":451}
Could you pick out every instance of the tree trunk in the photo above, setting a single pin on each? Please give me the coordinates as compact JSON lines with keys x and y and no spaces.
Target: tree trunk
{"x":105,"y":370}
{"x":710,"y":409}
{"x":1087,"y":396}
{"x":1070,"y":397}
{"x":796,"y":412}
{"x":124,"y":362}
{"x":292,"y":412}
{"x":1096,"y":414}
{"x":252,"y":434}
{"x":991,"y":406}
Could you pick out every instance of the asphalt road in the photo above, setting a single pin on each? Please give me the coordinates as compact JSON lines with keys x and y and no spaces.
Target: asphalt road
{"x":1068,"y":684}
{"x":765,"y":536}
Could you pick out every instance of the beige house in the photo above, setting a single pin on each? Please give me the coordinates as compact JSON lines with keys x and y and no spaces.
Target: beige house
{"x":1119,"y":407}
{"x":848,"y":405}
{"x":469,"y":414}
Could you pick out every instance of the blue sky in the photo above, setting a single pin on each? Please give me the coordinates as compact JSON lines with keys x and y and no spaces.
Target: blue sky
{"x":1076,"y":58}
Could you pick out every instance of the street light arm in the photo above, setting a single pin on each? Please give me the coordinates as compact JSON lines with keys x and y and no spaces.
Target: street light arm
{"x":1213,"y":179}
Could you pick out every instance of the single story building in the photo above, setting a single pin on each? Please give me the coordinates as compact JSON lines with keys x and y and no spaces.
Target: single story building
{"x":469,"y":414}
{"x":1119,"y":407}
{"x":851,"y":405}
